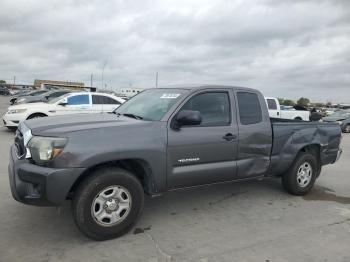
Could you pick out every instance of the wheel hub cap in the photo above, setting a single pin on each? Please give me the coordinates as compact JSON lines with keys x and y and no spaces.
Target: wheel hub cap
{"x":304,"y":174}
{"x":111,"y":205}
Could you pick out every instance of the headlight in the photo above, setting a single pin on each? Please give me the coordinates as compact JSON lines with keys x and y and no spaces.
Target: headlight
{"x":340,"y":122}
{"x":43,"y":149}
{"x":17,"y":111}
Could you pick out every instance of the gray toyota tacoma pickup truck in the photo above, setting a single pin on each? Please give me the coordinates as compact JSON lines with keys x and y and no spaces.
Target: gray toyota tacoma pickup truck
{"x":162,"y":139}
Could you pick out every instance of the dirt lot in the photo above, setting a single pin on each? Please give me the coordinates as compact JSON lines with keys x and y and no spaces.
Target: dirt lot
{"x":248,"y":221}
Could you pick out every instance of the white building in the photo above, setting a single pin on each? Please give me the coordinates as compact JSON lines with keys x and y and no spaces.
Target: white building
{"x":128,"y":91}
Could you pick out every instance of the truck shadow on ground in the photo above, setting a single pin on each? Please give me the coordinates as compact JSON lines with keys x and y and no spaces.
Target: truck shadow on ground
{"x":320,"y":193}
{"x":58,"y":222}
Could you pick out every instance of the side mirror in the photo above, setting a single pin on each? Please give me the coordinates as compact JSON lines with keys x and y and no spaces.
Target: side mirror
{"x":63,"y":102}
{"x":187,"y":118}
{"x":47,"y":97}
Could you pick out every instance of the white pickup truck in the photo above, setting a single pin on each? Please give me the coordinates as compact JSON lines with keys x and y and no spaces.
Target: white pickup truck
{"x":275,"y":111}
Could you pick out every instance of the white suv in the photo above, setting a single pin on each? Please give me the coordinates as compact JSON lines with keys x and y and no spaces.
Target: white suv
{"x":72,"y":103}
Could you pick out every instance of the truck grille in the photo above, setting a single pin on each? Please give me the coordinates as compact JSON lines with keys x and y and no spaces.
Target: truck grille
{"x":19,"y":143}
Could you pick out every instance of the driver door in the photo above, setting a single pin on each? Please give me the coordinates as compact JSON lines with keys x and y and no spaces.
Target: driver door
{"x":205,"y":153}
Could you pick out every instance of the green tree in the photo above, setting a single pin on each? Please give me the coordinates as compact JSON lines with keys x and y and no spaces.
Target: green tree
{"x":303,"y":101}
{"x":2,"y":81}
{"x":286,"y":102}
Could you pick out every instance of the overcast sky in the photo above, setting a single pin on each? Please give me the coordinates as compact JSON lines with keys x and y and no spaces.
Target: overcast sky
{"x":283,"y":48}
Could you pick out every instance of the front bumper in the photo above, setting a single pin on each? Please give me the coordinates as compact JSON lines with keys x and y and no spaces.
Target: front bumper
{"x":13,"y":120}
{"x":340,"y":151}
{"x":37,"y":185}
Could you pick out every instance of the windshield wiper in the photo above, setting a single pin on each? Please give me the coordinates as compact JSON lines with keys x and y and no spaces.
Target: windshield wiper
{"x":132,"y":115}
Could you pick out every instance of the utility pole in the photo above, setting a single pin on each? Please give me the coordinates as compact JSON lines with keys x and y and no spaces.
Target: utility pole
{"x":14,"y":80}
{"x":157,"y":80}
{"x":103,"y":69}
{"x":91,"y":81}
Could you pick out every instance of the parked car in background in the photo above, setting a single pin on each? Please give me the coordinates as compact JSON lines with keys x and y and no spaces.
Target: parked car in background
{"x":47,"y":96}
{"x":330,"y":111}
{"x":4,"y":91}
{"x":14,"y":91}
{"x":13,"y":100}
{"x":162,"y":139}
{"x":342,"y":117}
{"x":275,"y":111}
{"x":71,"y":103}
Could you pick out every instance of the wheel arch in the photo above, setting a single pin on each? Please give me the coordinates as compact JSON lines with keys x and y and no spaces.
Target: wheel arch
{"x":36,"y":114}
{"x":138,"y":167}
{"x":314,"y":149}
{"x":285,"y":159}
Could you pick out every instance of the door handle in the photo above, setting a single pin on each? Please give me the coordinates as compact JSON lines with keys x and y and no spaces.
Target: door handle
{"x":229,"y":137}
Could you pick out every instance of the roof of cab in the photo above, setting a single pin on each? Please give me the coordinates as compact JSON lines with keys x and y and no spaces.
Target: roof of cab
{"x":199,"y":87}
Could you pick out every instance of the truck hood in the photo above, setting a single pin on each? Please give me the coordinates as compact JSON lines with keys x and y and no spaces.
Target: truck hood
{"x":61,"y":125}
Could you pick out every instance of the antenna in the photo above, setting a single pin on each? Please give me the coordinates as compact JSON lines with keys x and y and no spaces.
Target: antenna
{"x":157,"y":80}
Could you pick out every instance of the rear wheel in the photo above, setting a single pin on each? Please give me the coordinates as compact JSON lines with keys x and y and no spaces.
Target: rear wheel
{"x":300,"y":178}
{"x":108,"y":203}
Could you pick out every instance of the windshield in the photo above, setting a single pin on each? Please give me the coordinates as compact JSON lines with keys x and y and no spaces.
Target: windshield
{"x":39,"y":92}
{"x":344,"y":114}
{"x":151,"y":104}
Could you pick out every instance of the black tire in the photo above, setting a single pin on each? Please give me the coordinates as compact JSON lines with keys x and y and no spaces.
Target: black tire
{"x":298,"y":118}
{"x":36,"y":115}
{"x":12,"y":128}
{"x":88,"y":190}
{"x":290,"y":178}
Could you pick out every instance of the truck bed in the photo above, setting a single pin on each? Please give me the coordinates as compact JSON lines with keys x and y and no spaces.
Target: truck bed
{"x":291,"y":134}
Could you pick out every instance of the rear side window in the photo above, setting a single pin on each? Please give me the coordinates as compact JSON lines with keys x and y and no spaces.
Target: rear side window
{"x":271,"y":103}
{"x":249,"y":108}
{"x":214,"y":108}
{"x":104,"y":100}
{"x":79,"y":100}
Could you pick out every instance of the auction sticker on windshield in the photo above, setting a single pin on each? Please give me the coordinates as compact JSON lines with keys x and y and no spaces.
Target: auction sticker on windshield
{"x":170,"y":96}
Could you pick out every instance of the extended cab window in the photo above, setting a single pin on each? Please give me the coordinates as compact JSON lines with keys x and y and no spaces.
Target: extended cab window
{"x":213,"y":106}
{"x":79,"y":100}
{"x":249,"y":108}
{"x":271,"y":103}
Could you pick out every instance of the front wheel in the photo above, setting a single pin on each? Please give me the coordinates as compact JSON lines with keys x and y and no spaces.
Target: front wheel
{"x":108,"y":203}
{"x":36,"y":115}
{"x":300,"y":178}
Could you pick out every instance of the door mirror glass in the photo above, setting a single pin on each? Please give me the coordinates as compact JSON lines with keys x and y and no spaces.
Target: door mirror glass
{"x":188,"y":118}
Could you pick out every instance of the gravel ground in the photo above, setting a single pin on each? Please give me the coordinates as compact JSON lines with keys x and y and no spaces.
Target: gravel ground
{"x":247,"y":221}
